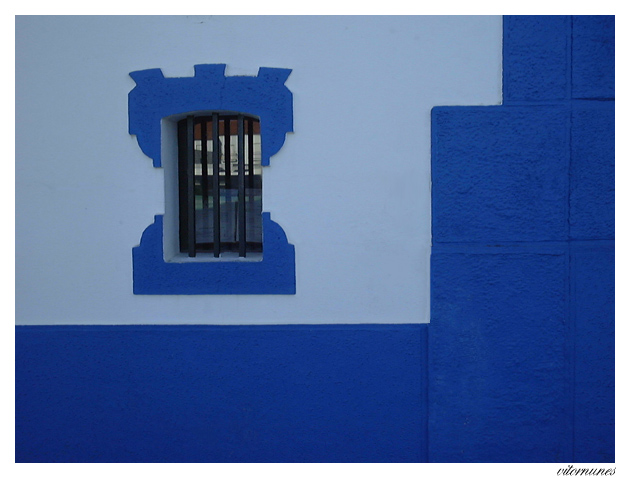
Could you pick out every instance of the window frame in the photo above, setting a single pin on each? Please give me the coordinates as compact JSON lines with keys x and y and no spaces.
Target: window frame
{"x":196,"y":134}
{"x":155,"y":104}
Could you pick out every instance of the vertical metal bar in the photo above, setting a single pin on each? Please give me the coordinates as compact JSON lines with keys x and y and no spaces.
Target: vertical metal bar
{"x":216,"y":184}
{"x":190,"y":185}
{"x":250,"y":151}
{"x":228,"y":153}
{"x":242,"y":215}
{"x":204,"y":164}
{"x":182,"y":167}
{"x":250,"y":178}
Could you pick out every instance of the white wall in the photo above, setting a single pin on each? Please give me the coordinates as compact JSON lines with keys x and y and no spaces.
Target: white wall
{"x":351,"y":186}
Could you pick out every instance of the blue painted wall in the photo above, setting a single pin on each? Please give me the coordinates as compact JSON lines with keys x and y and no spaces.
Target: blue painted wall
{"x":516,"y":365}
{"x":221,"y":393}
{"x":521,"y":340}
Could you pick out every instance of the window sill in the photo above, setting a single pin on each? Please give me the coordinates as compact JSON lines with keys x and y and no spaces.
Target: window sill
{"x":272,"y":273}
{"x":208,"y":257}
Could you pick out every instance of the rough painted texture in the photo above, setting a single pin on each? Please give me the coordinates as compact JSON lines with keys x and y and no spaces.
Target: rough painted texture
{"x":221,"y":394}
{"x":594,"y":309}
{"x":274,"y":274}
{"x":535,"y":67}
{"x":517,"y":154}
{"x":499,"y":388}
{"x":521,"y":340}
{"x":156,"y":97}
{"x":593,"y":49}
{"x":593,"y":219}
{"x":593,"y":170}
{"x":520,"y":357}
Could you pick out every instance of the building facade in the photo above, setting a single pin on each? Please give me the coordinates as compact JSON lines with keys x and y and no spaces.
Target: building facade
{"x":445,"y":185}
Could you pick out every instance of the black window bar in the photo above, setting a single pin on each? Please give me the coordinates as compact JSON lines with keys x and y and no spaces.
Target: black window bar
{"x":220,"y":184}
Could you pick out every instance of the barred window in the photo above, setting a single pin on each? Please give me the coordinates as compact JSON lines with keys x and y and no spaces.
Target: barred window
{"x":220,"y":184}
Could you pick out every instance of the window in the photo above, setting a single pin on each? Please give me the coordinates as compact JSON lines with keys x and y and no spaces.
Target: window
{"x":220,"y":184}
{"x":216,"y":134}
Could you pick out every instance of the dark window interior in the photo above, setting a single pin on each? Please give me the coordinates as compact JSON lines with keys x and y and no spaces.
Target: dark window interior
{"x":220,"y":184}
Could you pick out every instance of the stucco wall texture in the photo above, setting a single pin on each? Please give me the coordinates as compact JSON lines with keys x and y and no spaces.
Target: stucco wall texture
{"x":516,"y":365}
{"x":521,"y":340}
{"x":221,"y":393}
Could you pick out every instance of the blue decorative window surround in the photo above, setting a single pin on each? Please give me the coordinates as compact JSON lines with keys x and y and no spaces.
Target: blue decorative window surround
{"x":156,"y":97}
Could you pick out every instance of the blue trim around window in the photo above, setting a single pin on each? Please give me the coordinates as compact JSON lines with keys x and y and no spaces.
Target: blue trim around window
{"x":265,"y":95}
{"x":517,"y":364}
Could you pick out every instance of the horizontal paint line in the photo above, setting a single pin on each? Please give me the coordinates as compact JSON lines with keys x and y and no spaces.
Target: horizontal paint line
{"x":231,"y":328}
{"x":558,"y":102}
{"x":541,"y":247}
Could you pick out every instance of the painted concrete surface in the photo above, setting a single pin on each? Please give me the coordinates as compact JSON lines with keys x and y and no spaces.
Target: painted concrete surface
{"x":274,"y":274}
{"x":517,"y":364}
{"x":592,"y":195}
{"x":155,"y":98}
{"x":499,"y":388}
{"x":593,"y":311}
{"x":221,"y":394}
{"x":492,"y":180}
{"x":350,"y":186}
{"x":521,"y":340}
{"x":263,"y":95}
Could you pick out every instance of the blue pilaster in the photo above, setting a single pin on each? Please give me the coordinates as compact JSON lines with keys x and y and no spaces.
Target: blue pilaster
{"x":521,"y":340}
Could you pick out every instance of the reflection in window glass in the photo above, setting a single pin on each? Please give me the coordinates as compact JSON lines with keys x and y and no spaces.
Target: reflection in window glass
{"x":221,"y":191}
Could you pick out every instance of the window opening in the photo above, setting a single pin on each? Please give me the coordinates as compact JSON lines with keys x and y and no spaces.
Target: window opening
{"x":220,"y":184}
